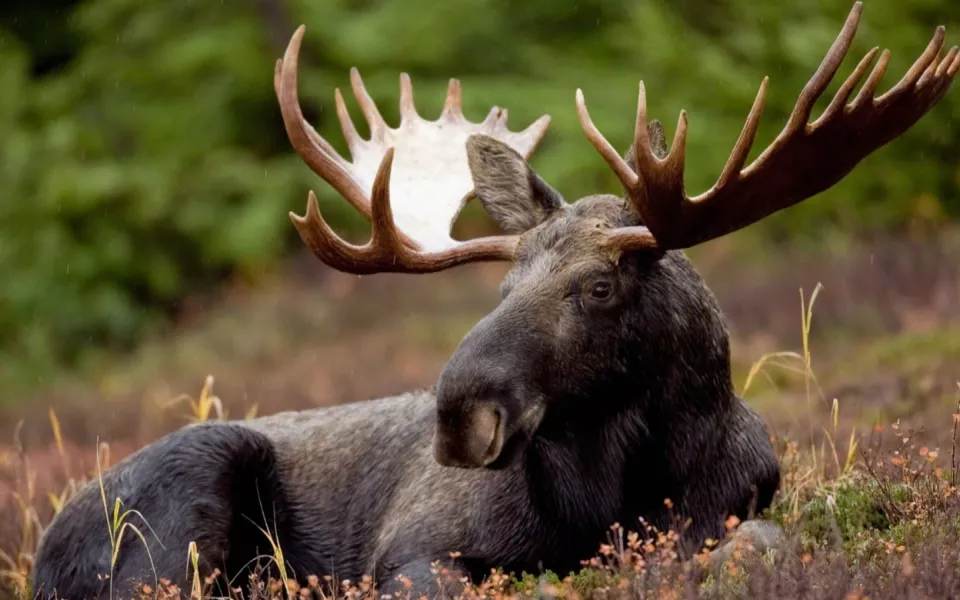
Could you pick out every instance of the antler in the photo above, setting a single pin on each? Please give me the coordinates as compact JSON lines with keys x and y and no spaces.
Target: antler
{"x":805,"y":159}
{"x":411,"y":205}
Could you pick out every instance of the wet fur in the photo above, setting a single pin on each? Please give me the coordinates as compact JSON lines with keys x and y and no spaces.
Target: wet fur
{"x":640,"y":407}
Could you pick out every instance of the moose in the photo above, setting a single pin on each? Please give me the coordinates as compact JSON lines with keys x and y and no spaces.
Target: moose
{"x":597,"y":391}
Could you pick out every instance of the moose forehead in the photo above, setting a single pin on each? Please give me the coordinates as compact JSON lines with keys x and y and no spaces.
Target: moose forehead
{"x":571,"y":242}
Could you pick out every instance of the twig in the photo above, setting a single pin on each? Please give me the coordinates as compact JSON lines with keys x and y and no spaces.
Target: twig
{"x":884,"y":487}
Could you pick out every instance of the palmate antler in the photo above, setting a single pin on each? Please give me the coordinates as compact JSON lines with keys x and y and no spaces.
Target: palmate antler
{"x":411,"y":182}
{"x":804,"y":160}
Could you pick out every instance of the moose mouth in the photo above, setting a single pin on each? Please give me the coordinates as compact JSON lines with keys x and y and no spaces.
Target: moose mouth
{"x":490,"y":439}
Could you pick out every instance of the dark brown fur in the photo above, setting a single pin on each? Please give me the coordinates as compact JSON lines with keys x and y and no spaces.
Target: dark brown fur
{"x":598,"y":387}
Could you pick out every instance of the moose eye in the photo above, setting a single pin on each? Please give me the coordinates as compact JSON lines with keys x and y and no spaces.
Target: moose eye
{"x":600,"y":290}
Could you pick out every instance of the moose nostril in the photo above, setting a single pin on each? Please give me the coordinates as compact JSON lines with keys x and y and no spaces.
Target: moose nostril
{"x":493,"y":449}
{"x":471,"y":438}
{"x":496,"y":426}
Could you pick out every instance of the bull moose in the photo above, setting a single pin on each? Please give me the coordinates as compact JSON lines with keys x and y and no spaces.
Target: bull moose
{"x":597,"y":388}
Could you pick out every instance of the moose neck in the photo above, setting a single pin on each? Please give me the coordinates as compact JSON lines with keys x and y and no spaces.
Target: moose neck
{"x":580,"y":462}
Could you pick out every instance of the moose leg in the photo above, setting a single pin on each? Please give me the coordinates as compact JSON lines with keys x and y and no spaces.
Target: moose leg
{"x":195,"y":488}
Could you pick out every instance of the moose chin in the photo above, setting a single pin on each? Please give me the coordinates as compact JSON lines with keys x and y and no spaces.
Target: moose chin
{"x":598,"y":387}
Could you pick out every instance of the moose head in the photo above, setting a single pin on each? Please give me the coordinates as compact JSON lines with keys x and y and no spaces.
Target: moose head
{"x":600,"y":306}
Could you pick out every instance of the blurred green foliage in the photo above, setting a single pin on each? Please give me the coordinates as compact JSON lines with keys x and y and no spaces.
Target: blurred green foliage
{"x":143,"y":159}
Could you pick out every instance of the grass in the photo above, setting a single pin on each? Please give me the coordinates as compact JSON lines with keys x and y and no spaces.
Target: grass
{"x":875,"y":516}
{"x":118,"y":523}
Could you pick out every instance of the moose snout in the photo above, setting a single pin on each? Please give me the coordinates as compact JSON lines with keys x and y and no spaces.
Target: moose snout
{"x":471,"y":439}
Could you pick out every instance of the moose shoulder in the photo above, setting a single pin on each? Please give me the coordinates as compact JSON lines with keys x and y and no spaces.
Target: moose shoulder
{"x":598,"y":387}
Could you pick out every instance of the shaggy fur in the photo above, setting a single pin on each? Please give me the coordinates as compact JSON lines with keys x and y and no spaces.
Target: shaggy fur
{"x":598,"y":387}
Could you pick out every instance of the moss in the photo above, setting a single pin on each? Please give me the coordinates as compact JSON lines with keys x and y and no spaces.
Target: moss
{"x":845,"y":510}
{"x":588,"y":580}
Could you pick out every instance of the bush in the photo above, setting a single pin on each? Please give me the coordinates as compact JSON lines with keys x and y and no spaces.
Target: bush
{"x":151,"y":166}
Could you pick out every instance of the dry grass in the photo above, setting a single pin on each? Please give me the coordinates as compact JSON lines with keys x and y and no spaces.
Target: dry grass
{"x":873,"y":516}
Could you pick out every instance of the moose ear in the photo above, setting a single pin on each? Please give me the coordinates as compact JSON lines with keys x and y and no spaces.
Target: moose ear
{"x":511,"y":192}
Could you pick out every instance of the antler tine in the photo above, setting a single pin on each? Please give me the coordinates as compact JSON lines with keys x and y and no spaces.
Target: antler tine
{"x":873,"y":80}
{"x":913,"y":75}
{"x":453,"y":104}
{"x":491,"y":117}
{"x":378,"y":127}
{"x":317,"y":139}
{"x":619,"y":166}
{"x":500,"y":123}
{"x":408,"y":110}
{"x":625,"y":238}
{"x":843,"y":94}
{"x":930,"y":70}
{"x":385,"y":241}
{"x":349,"y":130}
{"x":314,"y":150}
{"x":322,"y":240}
{"x":652,"y":170}
{"x":384,"y":238}
{"x":948,"y":60}
{"x":738,"y":157}
{"x":824,"y":74}
{"x":534,"y":133}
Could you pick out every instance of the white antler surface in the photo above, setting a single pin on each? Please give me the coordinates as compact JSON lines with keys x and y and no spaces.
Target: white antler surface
{"x":430,"y":179}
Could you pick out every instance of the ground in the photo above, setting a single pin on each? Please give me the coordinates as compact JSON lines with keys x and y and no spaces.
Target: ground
{"x":883,"y":346}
